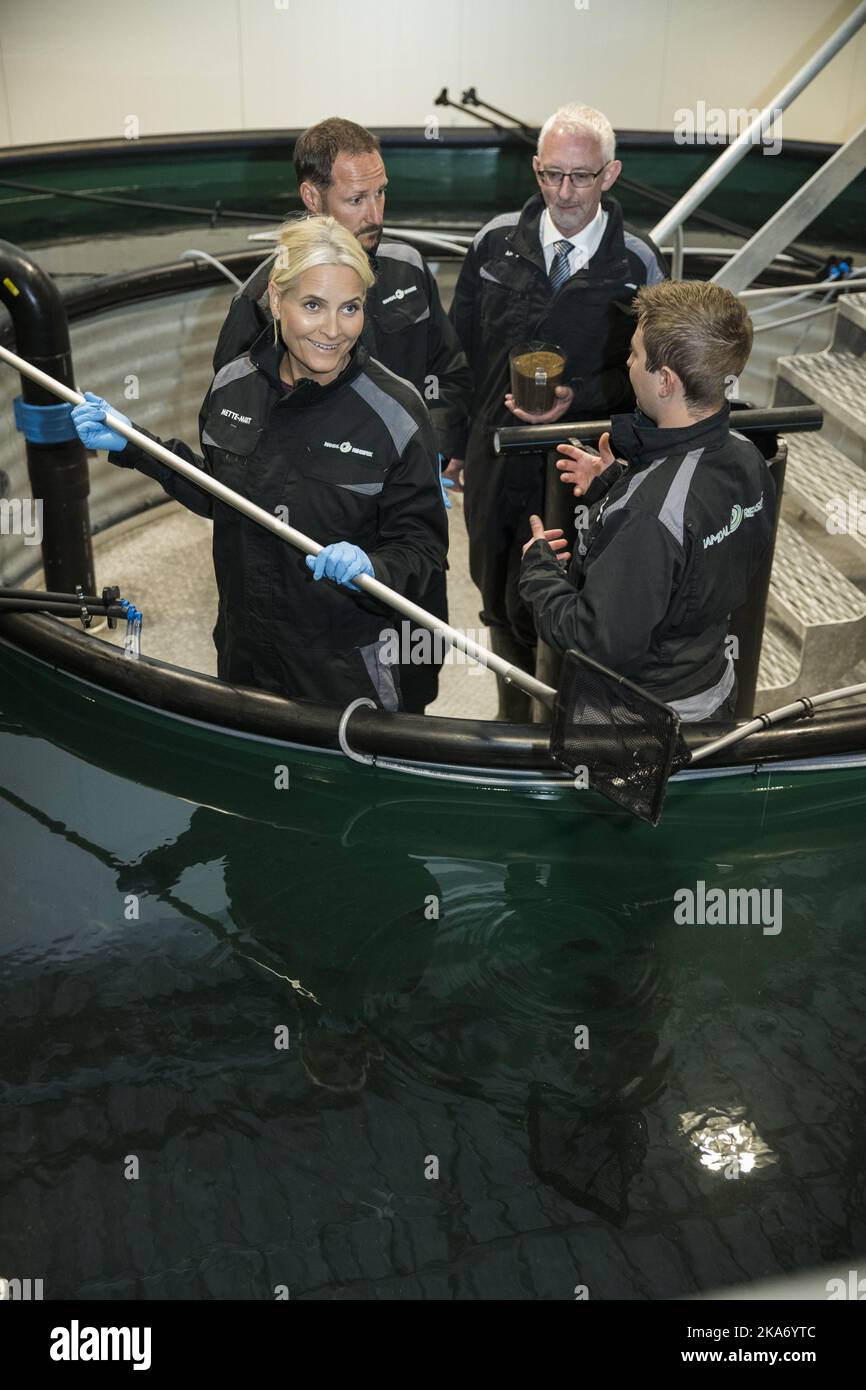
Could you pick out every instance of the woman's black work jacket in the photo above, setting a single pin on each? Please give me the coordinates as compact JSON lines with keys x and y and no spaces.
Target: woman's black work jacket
{"x":352,"y":461}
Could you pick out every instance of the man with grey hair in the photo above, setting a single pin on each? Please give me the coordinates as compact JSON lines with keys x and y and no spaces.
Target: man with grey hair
{"x":563,"y":270}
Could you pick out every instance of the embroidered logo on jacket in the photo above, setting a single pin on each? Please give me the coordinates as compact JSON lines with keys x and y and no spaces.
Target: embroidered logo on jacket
{"x":347,"y":447}
{"x":737,"y":514}
{"x":400,"y":294}
{"x":241,"y":419}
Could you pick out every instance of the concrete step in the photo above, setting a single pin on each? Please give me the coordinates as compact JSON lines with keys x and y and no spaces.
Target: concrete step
{"x":778,"y":669}
{"x":853,"y":308}
{"x":821,"y":610}
{"x":834,"y":380}
{"x":829,"y":487}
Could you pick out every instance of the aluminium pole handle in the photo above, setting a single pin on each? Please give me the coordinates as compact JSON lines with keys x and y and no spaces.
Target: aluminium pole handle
{"x":296,"y":538}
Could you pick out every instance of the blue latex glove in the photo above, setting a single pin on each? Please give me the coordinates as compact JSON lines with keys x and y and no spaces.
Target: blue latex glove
{"x":89,"y":421}
{"x":341,"y":562}
{"x":445,"y":483}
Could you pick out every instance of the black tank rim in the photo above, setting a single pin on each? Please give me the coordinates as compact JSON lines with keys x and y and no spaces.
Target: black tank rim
{"x":461,"y":743}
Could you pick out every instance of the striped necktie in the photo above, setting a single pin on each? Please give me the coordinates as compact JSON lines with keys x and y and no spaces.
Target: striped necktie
{"x":559,"y":271}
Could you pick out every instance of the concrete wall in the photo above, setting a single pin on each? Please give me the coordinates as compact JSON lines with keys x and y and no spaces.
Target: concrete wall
{"x":79,"y":69}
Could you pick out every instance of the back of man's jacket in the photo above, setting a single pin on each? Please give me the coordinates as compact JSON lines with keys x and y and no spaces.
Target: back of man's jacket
{"x":663,"y":559}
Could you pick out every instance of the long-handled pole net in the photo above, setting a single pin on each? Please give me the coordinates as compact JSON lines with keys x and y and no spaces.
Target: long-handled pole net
{"x":545,"y":693}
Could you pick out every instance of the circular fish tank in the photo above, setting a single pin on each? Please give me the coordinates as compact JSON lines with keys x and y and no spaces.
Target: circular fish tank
{"x":388,"y":1008}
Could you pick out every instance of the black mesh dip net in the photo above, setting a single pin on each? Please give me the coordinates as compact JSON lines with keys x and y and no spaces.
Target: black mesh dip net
{"x":625,"y":742}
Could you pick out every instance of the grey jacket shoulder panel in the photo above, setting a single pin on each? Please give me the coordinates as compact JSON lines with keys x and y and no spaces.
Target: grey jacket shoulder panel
{"x":505,"y":219}
{"x":673,"y":508}
{"x":397,"y":420}
{"x":233,"y":371}
{"x":400,"y":251}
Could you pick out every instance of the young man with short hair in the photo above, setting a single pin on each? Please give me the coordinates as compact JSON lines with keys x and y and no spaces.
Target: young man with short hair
{"x":680,"y":512}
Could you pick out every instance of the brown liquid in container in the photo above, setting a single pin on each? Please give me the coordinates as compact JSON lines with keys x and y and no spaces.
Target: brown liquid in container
{"x":534,"y":379}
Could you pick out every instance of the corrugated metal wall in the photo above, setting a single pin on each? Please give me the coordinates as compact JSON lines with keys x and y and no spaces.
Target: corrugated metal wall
{"x":150,"y":360}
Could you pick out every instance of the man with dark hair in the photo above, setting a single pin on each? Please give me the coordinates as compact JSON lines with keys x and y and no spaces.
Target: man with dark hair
{"x":339,"y":162}
{"x":340,"y":173}
{"x":318,"y":147}
{"x":678,"y":512}
{"x":560,"y":271}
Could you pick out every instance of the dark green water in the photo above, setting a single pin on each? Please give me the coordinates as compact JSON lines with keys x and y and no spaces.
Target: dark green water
{"x":434,"y":183}
{"x":713,"y":1131}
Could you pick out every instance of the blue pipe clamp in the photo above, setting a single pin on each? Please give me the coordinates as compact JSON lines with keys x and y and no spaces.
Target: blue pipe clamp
{"x":44,"y":424}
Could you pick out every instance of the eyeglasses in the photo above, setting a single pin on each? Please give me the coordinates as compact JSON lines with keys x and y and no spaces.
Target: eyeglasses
{"x":580,"y":178}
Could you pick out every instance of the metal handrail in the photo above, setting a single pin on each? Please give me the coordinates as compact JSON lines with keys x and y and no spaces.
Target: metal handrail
{"x":816,"y":195}
{"x":852,"y":284}
{"x":763,"y":122}
{"x":454,"y":244}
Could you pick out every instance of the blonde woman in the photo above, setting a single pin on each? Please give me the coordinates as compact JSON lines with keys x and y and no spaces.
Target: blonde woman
{"x":307,"y":420}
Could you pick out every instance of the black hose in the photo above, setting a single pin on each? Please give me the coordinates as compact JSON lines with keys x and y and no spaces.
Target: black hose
{"x":533,"y":439}
{"x":62,"y":610}
{"x":58,"y":468}
{"x":33,"y":594}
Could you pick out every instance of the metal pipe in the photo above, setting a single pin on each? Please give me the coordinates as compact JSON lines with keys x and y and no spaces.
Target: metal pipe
{"x":58,"y":469}
{"x":193,"y":254}
{"x":795,"y":318}
{"x":433,"y":239}
{"x":289,"y":533}
{"x":677,"y":256}
{"x":764,"y":121}
{"x":852,"y":284}
{"x":805,"y":705}
{"x":792,"y":299}
{"x":456,"y":245}
{"x":471,"y":98}
{"x":532,"y":439}
{"x":443,"y":99}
